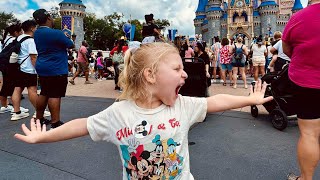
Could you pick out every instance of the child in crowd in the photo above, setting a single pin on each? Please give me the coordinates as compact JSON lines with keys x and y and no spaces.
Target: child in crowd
{"x":151,"y":134}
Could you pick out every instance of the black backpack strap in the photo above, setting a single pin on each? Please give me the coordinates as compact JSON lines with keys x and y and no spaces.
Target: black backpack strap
{"x":24,"y":38}
{"x":5,"y":43}
{"x":21,"y":40}
{"x":241,"y":46}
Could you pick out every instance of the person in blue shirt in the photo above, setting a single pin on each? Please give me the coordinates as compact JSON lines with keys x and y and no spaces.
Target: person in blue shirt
{"x":51,"y":66}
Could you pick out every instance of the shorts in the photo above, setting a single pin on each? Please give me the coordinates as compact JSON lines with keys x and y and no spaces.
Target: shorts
{"x":53,"y":86}
{"x":226,"y":67}
{"x":83,"y":67}
{"x":25,"y":80}
{"x":259,"y":61}
{"x":9,"y":75}
{"x":305,"y":102}
{"x":100,"y":67}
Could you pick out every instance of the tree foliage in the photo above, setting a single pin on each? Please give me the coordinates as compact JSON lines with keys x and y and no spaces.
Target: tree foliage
{"x":6,"y":19}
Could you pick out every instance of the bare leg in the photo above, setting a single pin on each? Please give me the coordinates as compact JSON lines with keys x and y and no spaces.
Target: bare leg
{"x":86,"y":74}
{"x":234,"y":74}
{"x":4,"y":101}
{"x":42,"y":102}
{"x":262,"y":71}
{"x":16,"y":98}
{"x":230,"y":76}
{"x":308,"y":147}
{"x":214,"y":73}
{"x":243,"y":75}
{"x":256,"y":72}
{"x":54,"y":107}
{"x":223,"y":76}
{"x":33,"y":96}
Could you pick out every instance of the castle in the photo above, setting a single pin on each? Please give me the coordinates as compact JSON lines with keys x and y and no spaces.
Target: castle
{"x":247,"y":17}
{"x":73,"y":12}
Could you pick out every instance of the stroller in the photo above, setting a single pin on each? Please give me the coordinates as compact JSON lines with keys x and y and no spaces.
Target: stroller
{"x":197,"y":83}
{"x":279,"y":86}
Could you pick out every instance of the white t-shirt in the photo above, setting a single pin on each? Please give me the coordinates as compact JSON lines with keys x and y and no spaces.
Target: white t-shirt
{"x":150,"y":141}
{"x":278,"y":46}
{"x":269,"y":53}
{"x":28,"y":47}
{"x":258,"y":52}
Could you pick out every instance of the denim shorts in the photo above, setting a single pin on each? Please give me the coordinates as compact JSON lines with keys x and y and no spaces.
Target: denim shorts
{"x":226,"y":67}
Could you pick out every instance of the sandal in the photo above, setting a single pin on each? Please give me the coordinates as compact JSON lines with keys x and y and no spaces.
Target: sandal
{"x":231,"y":84}
{"x":292,"y":176}
{"x":224,"y":84}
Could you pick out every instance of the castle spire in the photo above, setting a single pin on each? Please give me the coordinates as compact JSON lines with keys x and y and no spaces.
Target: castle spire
{"x":297,"y":6}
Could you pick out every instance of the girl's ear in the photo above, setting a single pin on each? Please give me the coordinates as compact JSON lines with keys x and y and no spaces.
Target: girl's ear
{"x":150,"y":77}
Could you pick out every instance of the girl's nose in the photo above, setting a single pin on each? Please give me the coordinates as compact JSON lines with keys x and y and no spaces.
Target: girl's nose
{"x":184,"y":74}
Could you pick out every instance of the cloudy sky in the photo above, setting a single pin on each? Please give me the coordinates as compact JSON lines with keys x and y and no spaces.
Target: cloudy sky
{"x":180,"y":13}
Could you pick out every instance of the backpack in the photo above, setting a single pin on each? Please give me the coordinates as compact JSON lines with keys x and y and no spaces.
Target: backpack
{"x":238,"y":55}
{"x":117,"y":57}
{"x":11,"y":51}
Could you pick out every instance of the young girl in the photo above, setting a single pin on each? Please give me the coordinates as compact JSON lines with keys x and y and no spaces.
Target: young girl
{"x":100,"y":65}
{"x":152,"y":133}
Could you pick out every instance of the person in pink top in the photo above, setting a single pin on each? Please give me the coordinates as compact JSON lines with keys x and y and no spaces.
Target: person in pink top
{"x":301,"y":44}
{"x":100,"y":65}
{"x":83,"y":63}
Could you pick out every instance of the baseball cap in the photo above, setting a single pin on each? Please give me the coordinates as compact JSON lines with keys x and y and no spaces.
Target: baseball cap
{"x":40,"y":16}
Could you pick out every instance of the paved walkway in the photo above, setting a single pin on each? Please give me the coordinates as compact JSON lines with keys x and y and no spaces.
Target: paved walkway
{"x":229,"y":145}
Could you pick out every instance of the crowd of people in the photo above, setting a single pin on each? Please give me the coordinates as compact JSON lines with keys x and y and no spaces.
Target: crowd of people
{"x":150,"y":77}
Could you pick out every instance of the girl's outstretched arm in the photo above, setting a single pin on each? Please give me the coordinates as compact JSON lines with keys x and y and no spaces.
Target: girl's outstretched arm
{"x":37,"y":134}
{"x":222,"y":102}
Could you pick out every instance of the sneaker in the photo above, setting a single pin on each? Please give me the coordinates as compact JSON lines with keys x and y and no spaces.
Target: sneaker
{"x":72,"y":82}
{"x":88,"y":82}
{"x":22,"y":109}
{"x":213,"y":80}
{"x":292,"y":176}
{"x":57,"y":124}
{"x":44,"y":121}
{"x":221,"y":81}
{"x":9,"y":108}
{"x":16,"y":116}
{"x":45,"y":114}
{"x":100,"y":79}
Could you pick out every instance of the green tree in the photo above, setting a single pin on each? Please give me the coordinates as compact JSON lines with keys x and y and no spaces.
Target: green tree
{"x":5,"y":19}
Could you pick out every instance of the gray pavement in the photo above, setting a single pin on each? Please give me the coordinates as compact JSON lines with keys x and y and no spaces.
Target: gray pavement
{"x":228,"y":145}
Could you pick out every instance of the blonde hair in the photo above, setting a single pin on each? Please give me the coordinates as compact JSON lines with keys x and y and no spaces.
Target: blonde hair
{"x":277,"y":35}
{"x":132,"y":80}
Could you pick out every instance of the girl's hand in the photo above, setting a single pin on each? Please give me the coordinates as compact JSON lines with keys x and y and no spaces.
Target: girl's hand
{"x":31,"y":136}
{"x":258,"y":95}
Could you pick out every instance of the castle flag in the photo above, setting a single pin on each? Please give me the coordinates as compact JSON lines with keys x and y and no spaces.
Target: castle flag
{"x":67,"y":25}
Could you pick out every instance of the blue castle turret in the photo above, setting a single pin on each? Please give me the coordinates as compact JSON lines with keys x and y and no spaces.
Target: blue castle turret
{"x":200,"y":15}
{"x":268,"y":10}
{"x":297,"y":6}
{"x":73,"y":12}
{"x":214,"y":14}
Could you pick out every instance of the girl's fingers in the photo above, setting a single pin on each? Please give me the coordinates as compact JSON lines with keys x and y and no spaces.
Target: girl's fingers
{"x":25,"y":129}
{"x":21,"y":137}
{"x":32,"y":124}
{"x":251,"y":89}
{"x":264,"y":86}
{"x":44,"y":128}
{"x":38,"y":126}
{"x":259,"y":85}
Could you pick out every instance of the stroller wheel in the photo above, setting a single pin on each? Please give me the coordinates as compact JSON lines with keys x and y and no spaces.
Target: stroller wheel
{"x":279,"y":119}
{"x":254,"y":111}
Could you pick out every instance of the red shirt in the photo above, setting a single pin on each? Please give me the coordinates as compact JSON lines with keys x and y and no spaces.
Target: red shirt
{"x":225,"y":56}
{"x":304,"y":69}
{"x":115,"y":49}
